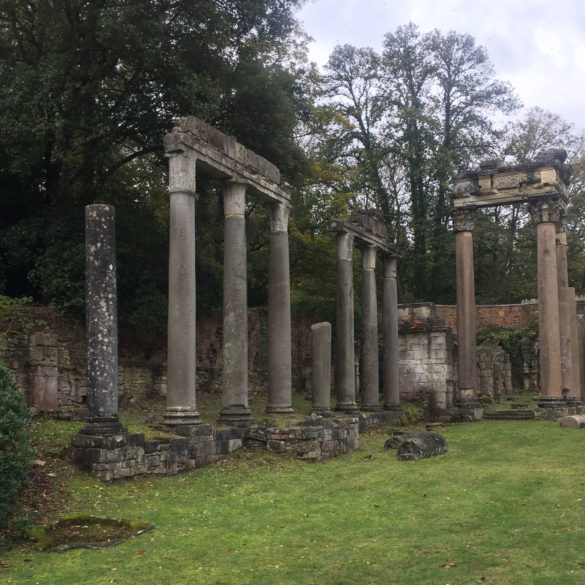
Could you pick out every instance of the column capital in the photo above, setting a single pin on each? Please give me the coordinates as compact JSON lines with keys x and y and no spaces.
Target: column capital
{"x":182,"y":172}
{"x":390,"y":267}
{"x":345,"y":246}
{"x":463,"y":219}
{"x":547,"y":210}
{"x":369,"y":257}
{"x":279,"y":213}
{"x":234,"y":198}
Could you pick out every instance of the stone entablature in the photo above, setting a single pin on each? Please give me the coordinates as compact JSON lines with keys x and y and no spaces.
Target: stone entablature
{"x":221,"y":157}
{"x":496,"y":184}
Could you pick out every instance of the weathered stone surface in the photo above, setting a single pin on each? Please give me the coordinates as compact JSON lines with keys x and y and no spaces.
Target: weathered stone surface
{"x":321,"y":360}
{"x":415,"y":446}
{"x":576,"y":421}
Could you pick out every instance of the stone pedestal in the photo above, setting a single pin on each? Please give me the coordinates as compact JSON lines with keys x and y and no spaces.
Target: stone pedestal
{"x":181,"y":408}
{"x":345,"y":357}
{"x":279,"y":324}
{"x":463,"y":220}
{"x":546,"y":214}
{"x":235,"y":309}
{"x":321,"y":375}
{"x":369,"y":375}
{"x":101,"y":322}
{"x":390,"y":334}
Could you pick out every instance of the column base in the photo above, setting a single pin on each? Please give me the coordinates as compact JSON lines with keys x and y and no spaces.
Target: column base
{"x":370,"y":408}
{"x":392,"y":407}
{"x":555,"y":406}
{"x":284,"y":410}
{"x":106,"y":425}
{"x":324,"y":412}
{"x":470,"y":407}
{"x":237,"y":416}
{"x":573,"y":401}
{"x":179,"y":415}
{"x":348,"y":407}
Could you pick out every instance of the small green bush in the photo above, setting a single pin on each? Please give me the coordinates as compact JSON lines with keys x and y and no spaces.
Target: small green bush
{"x":15,"y":447}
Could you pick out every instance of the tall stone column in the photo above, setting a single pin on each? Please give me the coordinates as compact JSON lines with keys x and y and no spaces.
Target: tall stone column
{"x":546,"y":214}
{"x":181,"y":406}
{"x":235,"y":309}
{"x":344,"y":357}
{"x":321,"y":374}
{"x":101,"y":321}
{"x":279,"y":324}
{"x":390,"y":333}
{"x":463,"y":221}
{"x":369,"y":375}
{"x":567,"y":320}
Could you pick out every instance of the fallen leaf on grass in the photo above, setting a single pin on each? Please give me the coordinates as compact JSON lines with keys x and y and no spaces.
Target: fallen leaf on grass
{"x":449,"y":565}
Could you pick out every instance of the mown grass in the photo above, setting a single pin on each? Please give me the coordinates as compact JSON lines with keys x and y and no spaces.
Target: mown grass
{"x":505,"y":505}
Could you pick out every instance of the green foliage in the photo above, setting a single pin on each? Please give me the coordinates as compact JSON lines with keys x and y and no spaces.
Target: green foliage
{"x":15,"y":316}
{"x":517,"y":342}
{"x":15,"y":449}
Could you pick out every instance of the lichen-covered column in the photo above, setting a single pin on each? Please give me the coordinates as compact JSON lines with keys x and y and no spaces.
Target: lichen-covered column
{"x":463,"y":221}
{"x":344,"y":355}
{"x":390,"y":335}
{"x":545,"y":213}
{"x":181,"y":407}
{"x":279,"y":325}
{"x":101,"y":321}
{"x":321,"y":374}
{"x":369,"y":374}
{"x":235,"y":309}
{"x":567,"y":320}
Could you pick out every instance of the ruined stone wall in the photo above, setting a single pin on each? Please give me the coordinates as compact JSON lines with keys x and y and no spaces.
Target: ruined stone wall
{"x":494,"y":372}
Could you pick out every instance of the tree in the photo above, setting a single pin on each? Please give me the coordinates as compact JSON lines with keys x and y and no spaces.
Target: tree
{"x":88,"y":91}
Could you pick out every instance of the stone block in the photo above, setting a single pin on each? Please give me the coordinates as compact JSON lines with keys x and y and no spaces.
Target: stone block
{"x":576,"y":421}
{"x":276,"y":446}
{"x":134,"y":439}
{"x":415,"y":446}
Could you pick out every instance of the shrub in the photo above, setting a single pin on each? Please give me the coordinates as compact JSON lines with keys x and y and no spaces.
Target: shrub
{"x":15,"y":448}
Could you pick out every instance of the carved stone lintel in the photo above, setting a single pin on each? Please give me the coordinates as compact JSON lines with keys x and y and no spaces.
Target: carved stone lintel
{"x":464,"y":219}
{"x":279,"y":217}
{"x":345,"y":246}
{"x":546,"y":210}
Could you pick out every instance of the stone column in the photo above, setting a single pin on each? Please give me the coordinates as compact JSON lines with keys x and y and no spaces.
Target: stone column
{"x":101,"y":321}
{"x":279,"y":326}
{"x":546,"y":214}
{"x":369,"y":375}
{"x":463,"y":221}
{"x":567,"y":321}
{"x":344,"y":357}
{"x":181,"y":407}
{"x":321,"y":375}
{"x":235,"y":309}
{"x":390,"y":333}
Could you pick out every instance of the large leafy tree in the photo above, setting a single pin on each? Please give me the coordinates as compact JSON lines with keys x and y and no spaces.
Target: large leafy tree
{"x":89,"y":89}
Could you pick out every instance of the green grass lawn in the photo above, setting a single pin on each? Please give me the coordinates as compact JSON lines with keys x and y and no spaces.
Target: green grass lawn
{"x":505,"y":505}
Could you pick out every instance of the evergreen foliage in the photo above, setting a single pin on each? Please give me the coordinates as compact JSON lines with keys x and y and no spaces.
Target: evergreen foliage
{"x":15,"y":449}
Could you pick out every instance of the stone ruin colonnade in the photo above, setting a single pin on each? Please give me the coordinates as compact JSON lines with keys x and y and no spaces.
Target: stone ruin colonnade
{"x":543,"y":186}
{"x":372,"y":239}
{"x":195,"y":147}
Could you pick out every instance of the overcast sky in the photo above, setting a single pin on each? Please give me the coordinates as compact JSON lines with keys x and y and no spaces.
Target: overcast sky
{"x":536,"y":45}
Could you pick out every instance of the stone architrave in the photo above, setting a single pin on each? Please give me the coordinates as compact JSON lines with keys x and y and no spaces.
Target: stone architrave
{"x":463,"y":222}
{"x":235,"y":309}
{"x":181,"y":406}
{"x":390,"y":335}
{"x":279,"y":321}
{"x":545,"y":213}
{"x":369,"y":370}
{"x":321,"y":374}
{"x":345,"y":356}
{"x":102,"y":322}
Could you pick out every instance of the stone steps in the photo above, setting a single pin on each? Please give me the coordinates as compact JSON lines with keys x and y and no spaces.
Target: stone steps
{"x":513,"y":414}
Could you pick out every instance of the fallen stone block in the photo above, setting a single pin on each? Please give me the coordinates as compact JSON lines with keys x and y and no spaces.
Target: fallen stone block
{"x":415,"y":446}
{"x":575,"y":421}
